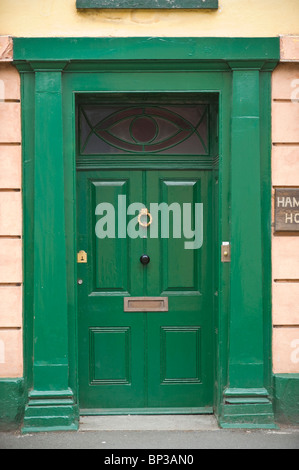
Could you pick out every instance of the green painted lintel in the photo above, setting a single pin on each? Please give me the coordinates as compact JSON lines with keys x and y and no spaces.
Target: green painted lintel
{"x":178,"y":49}
{"x":148,"y":4}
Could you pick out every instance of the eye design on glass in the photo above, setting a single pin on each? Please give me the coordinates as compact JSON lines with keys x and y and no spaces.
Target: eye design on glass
{"x":146,"y":129}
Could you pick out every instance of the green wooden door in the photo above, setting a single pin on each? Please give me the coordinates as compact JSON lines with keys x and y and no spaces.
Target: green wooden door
{"x":145,"y":360}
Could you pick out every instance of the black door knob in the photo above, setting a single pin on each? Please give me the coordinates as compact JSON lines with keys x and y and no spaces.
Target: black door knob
{"x":144,"y":259}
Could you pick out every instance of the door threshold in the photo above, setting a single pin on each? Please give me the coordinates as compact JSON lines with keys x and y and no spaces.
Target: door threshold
{"x":146,"y":411}
{"x":170,"y":422}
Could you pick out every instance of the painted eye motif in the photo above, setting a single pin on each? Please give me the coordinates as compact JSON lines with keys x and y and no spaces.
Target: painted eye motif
{"x":150,"y":129}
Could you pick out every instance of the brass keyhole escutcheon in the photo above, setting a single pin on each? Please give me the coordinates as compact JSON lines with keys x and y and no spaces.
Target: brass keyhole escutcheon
{"x":145,"y":213}
{"x":82,"y":257}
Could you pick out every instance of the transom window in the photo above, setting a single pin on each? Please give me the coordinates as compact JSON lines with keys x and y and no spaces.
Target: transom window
{"x":144,"y":129}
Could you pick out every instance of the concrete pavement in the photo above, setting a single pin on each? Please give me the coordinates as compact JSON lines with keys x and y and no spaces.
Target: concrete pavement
{"x":153,"y":433}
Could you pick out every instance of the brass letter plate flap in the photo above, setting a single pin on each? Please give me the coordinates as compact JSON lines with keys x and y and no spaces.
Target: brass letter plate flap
{"x":146,"y":304}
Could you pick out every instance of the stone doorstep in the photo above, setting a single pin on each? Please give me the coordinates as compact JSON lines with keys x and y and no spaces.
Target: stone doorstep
{"x":149,"y":423}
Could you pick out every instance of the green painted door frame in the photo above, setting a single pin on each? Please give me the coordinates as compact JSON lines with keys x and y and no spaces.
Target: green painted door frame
{"x":54,"y":71}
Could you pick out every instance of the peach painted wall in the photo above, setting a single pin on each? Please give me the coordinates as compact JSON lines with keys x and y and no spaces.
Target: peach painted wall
{"x":285,"y":173}
{"x":11,"y":343}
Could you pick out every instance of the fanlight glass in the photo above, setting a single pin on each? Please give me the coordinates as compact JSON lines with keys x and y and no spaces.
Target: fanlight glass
{"x":178,"y":130}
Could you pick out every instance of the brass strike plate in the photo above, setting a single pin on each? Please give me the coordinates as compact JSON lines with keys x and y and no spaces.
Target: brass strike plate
{"x":82,"y":257}
{"x":225,"y":252}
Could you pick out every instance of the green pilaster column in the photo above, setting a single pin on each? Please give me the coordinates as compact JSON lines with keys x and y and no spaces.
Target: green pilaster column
{"x":246,"y":398}
{"x":51,"y":401}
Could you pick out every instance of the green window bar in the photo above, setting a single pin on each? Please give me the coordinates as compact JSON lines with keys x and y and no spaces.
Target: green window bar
{"x":148,"y":4}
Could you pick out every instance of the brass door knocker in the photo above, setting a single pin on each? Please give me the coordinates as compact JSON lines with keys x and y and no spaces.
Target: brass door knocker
{"x":145,"y":213}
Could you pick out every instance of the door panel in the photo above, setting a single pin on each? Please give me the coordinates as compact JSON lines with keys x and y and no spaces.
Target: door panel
{"x":110,"y":355}
{"x":111,"y":343}
{"x":112,"y":272}
{"x":180,"y":354}
{"x":184,"y":278}
{"x":180,"y":372}
{"x":179,"y":270}
{"x":145,"y":359}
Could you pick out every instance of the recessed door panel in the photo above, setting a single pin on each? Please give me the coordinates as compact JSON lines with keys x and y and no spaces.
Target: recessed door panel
{"x":111,"y":253}
{"x":110,"y":355}
{"x":180,"y":355}
{"x":180,"y":269}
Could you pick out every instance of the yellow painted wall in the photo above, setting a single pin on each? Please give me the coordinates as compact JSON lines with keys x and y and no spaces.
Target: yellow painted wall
{"x":239,"y":18}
